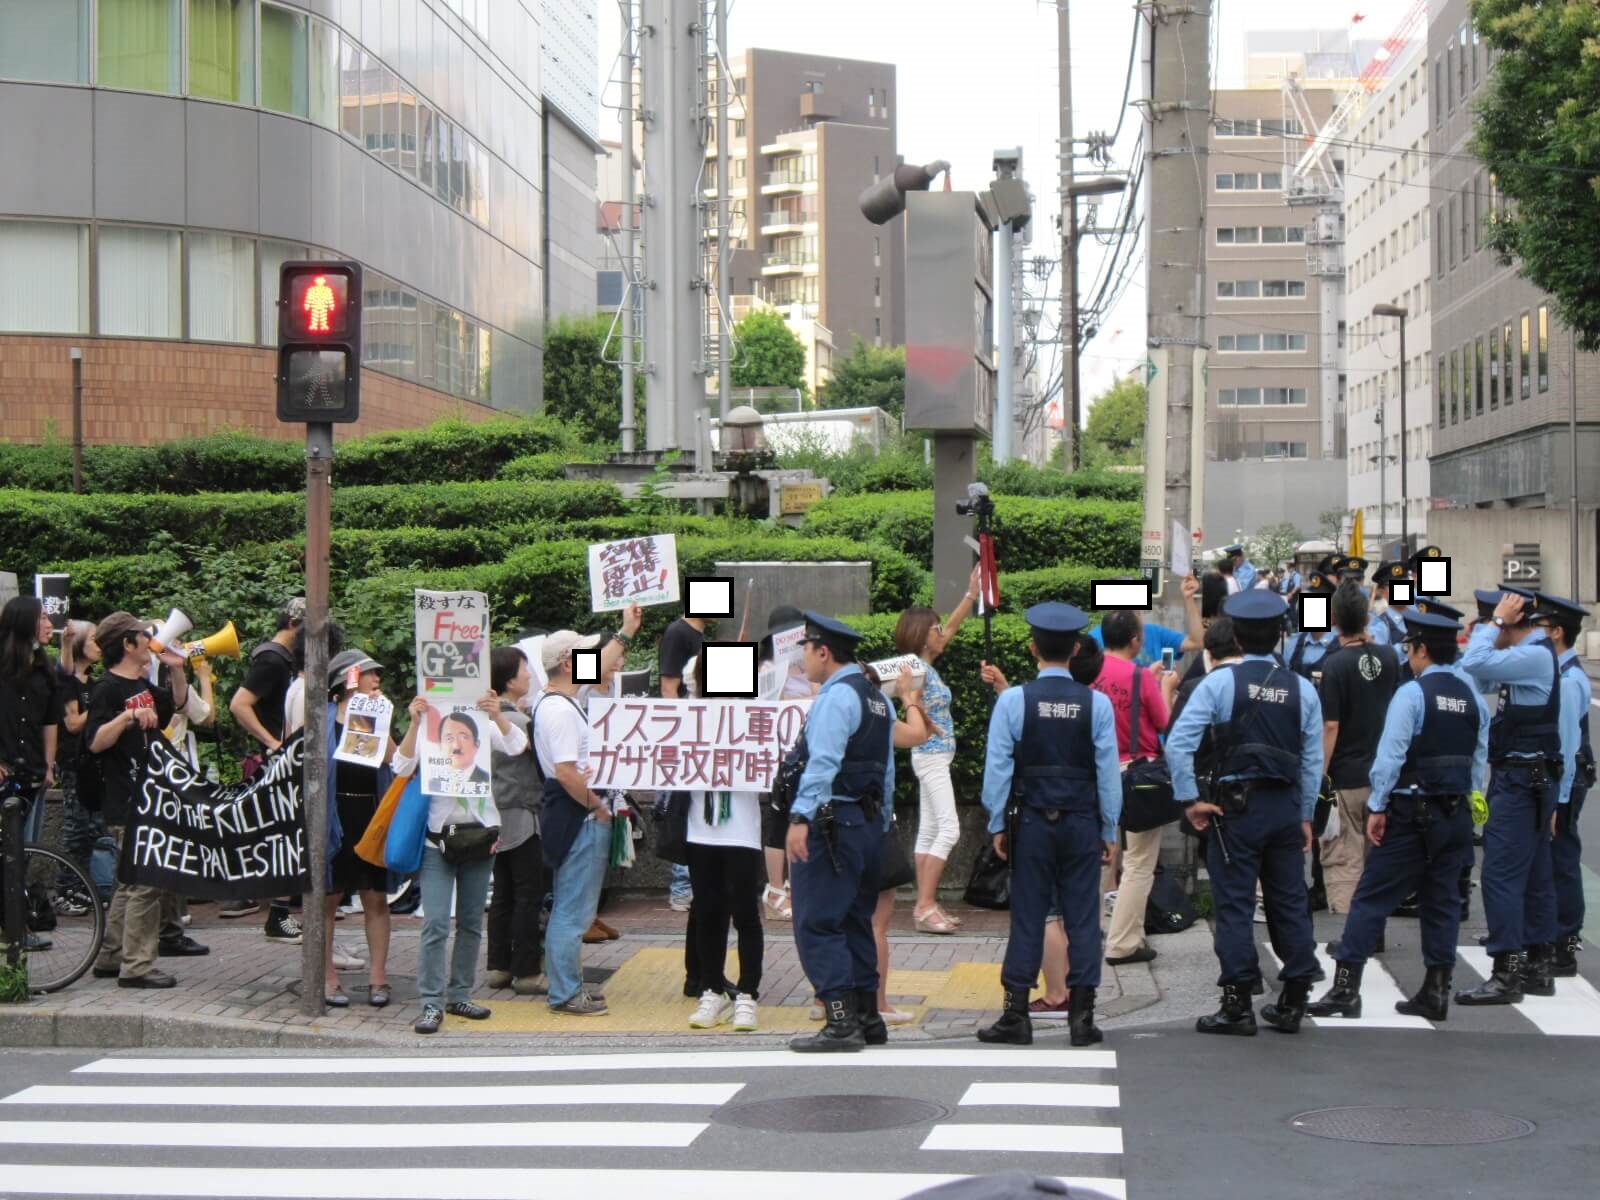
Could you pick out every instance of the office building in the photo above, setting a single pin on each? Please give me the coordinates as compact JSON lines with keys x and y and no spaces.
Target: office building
{"x":569,"y":50}
{"x":1314,"y":56}
{"x":166,"y":156}
{"x":1388,"y":214}
{"x":1504,"y":390}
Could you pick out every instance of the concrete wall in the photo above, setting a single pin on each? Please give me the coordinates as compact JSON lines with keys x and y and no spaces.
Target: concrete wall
{"x":1249,"y":496}
{"x":570,"y":216}
{"x":1475,"y":540}
{"x":837,"y":589}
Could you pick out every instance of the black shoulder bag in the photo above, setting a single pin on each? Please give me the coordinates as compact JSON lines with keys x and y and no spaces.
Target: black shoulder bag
{"x":1147,"y":801}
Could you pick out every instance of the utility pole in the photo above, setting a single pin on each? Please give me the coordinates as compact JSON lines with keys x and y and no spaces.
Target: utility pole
{"x":1069,"y":249}
{"x":76,"y":354}
{"x":724,"y":276}
{"x":631,"y":294}
{"x":1177,"y":133}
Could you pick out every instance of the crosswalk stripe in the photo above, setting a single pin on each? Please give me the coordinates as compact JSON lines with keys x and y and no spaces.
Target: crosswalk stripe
{"x":743,"y":1060}
{"x":1379,"y":992}
{"x":469,"y":1095}
{"x":1574,"y":1011}
{"x":475,"y":1183}
{"x":1036,"y":1139}
{"x":1048,"y":1095}
{"x":359,"y":1138}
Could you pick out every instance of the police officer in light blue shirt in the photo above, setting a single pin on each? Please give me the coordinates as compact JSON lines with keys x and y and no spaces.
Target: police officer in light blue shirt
{"x":1420,"y":822}
{"x":1244,"y":571}
{"x":842,"y":805}
{"x":1526,"y":751}
{"x":1563,"y":619}
{"x":1052,"y":757}
{"x":1304,"y":651}
{"x":1266,"y":724}
{"x":1388,"y":628}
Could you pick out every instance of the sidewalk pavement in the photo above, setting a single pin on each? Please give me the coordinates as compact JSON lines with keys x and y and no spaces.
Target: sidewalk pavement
{"x":245,"y":993}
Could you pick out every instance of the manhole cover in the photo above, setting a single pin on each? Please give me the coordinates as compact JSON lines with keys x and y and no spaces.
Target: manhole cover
{"x":1411,"y":1126}
{"x":830,"y":1114}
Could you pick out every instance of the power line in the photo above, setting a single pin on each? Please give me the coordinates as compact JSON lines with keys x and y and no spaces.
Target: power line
{"x":1350,"y":144}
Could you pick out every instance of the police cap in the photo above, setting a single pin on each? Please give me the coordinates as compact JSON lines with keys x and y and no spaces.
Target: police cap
{"x":1431,"y":626}
{"x":1233,"y":550}
{"x":1329,"y":564}
{"x":1558,"y":608}
{"x":1526,"y":593}
{"x":1317,"y":584}
{"x":834,"y":634}
{"x":1056,"y":616}
{"x":1256,"y":604}
{"x":1351,"y":565}
{"x":1391,"y":572}
{"x":1427,"y":604}
{"x":1487,"y":601}
{"x":1425,"y":552}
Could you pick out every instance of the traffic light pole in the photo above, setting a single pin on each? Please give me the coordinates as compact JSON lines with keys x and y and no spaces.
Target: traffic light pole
{"x":314,"y":743}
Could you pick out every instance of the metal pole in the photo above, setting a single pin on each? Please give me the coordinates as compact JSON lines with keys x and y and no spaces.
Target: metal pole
{"x":1383,"y":468}
{"x":314,"y":742}
{"x":1005,"y":335}
{"x":724,"y":278}
{"x":1572,"y":449}
{"x":1069,"y":254}
{"x":630,"y":240}
{"x":13,"y":923}
{"x":1073,"y":339}
{"x":77,"y":420}
{"x":1405,"y":537}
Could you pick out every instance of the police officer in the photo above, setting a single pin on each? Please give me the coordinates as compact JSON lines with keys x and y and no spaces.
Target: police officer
{"x":1420,"y":822}
{"x":1388,"y":627}
{"x":1526,"y":753}
{"x":1267,"y":726}
{"x":842,"y":805}
{"x":1053,"y":757}
{"x":1427,"y":604}
{"x":1304,"y":651}
{"x":1562,"y":619}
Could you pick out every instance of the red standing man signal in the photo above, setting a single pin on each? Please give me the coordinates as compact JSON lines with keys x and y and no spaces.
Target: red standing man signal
{"x":319,"y":302}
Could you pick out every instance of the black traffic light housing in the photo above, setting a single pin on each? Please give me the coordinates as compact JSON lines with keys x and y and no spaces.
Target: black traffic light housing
{"x":319,"y":341}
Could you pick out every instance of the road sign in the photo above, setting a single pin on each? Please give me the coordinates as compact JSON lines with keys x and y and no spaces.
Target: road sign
{"x":319,"y":341}
{"x":1520,"y":563}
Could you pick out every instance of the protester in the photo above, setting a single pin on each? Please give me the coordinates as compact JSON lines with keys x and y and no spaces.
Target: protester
{"x":895,"y":869}
{"x":196,"y":711}
{"x":920,"y":632}
{"x":30,"y":707}
{"x":356,"y":790}
{"x":725,"y":870}
{"x":258,"y":707}
{"x":1157,"y":639}
{"x":776,"y":899}
{"x":81,"y":829}
{"x":515,"y":946}
{"x":676,"y":659}
{"x":126,"y":711}
{"x":463,"y":883}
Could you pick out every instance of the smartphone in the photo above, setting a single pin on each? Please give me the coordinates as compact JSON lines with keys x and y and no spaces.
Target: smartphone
{"x":1166,"y":658}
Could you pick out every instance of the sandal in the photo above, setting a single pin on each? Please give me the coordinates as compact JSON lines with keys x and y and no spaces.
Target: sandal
{"x":336,"y":999}
{"x":896,"y":1016}
{"x":378,"y":995}
{"x":933,"y":921}
{"x":949,"y":916}
{"x":777,"y":904}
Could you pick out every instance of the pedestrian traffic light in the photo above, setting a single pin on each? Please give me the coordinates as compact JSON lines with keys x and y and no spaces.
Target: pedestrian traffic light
{"x":319,"y":341}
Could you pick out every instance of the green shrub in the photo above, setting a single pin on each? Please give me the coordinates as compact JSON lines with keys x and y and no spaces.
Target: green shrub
{"x":1017,"y":478}
{"x":1020,"y":590}
{"x":446,"y":450}
{"x":1032,"y":532}
{"x":551,"y":464}
{"x":465,"y":505}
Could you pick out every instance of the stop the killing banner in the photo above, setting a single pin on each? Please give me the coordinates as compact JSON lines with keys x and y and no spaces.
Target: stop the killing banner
{"x":219,"y":843}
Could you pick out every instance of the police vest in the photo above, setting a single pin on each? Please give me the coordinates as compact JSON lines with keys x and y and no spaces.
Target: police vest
{"x":1055,"y":760}
{"x":1435,"y":764}
{"x":1297,"y":660}
{"x":1396,"y":628}
{"x":1529,"y":730}
{"x":1585,"y":760}
{"x":866,"y":754}
{"x":1262,"y":738}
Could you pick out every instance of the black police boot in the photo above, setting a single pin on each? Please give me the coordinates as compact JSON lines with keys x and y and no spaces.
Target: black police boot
{"x":842,"y":1031}
{"x":1285,"y":1016}
{"x":1014,"y":1028}
{"x":1432,"y":999}
{"x":1235,"y":1017}
{"x":1566,"y":961}
{"x":1080,"y":1017}
{"x":1335,"y":948}
{"x":1504,"y":985}
{"x":1536,"y":979}
{"x":1343,"y":999}
{"x":873,"y":1029}
{"x":1411,"y":906}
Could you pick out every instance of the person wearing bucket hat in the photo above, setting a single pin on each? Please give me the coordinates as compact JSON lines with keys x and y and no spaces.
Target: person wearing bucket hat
{"x":1267,"y":724}
{"x":1563,"y":619}
{"x":1526,"y":751}
{"x":1419,"y":820}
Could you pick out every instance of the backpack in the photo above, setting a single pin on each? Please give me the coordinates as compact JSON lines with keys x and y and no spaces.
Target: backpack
{"x":1167,"y":910}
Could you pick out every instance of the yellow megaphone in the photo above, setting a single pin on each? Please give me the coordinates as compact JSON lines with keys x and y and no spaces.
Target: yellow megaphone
{"x":222,"y":644}
{"x":174,"y":627}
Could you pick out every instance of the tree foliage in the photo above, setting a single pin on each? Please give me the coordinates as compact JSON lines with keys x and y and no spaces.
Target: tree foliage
{"x":868,"y":377}
{"x":580,"y":387}
{"x":1275,"y":544}
{"x":770,"y":355}
{"x":1537,"y":128}
{"x":1116,"y":421}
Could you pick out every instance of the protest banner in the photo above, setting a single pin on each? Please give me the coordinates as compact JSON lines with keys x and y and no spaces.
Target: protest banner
{"x":639,"y":571}
{"x":366,"y":730}
{"x":200,"y":839}
{"x":452,"y":646}
{"x":55,"y":592}
{"x":454,"y":747}
{"x":688,"y":745}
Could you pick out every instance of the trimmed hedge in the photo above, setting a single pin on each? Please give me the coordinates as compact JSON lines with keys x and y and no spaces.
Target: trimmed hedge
{"x":468,"y":505}
{"x":549,"y":465}
{"x":1023,"y":479}
{"x":1020,"y":590}
{"x":1032,"y":532}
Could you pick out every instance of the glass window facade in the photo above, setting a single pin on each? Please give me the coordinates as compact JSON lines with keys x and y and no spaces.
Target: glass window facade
{"x":138,"y":42}
{"x":1544,"y":348}
{"x":141,"y":284}
{"x":222,"y":50}
{"x":46,"y":40}
{"x":285,"y":66}
{"x":222,"y":276}
{"x":44,"y":277}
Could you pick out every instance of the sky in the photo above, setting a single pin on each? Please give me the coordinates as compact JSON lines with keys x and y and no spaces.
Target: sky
{"x":977,"y":75}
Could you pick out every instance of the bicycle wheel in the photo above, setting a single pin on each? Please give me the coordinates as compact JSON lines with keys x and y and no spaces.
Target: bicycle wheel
{"x":65,"y":919}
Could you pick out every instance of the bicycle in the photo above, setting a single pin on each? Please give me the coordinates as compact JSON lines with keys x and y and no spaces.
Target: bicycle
{"x":53,"y":915}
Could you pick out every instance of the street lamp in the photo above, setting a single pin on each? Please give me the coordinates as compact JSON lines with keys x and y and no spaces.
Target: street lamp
{"x":1395,"y":310}
{"x":1103,"y":185}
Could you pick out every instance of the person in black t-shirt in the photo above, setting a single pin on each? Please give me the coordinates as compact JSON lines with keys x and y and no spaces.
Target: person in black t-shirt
{"x":1359,"y":678}
{"x":126,"y":712}
{"x":30,"y":707}
{"x":81,"y":829}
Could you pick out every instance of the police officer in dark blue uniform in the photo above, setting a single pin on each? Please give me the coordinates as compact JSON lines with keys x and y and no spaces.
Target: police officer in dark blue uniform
{"x":842,"y":805}
{"x":1526,"y":753}
{"x":1303,"y":652}
{"x":1051,"y":765}
{"x":1266,"y":723}
{"x":1420,"y":822}
{"x":1388,"y":627}
{"x":1562,"y":619}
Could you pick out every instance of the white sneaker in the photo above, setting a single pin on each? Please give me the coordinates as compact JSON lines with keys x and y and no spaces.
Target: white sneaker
{"x":1110,"y":903}
{"x":715,"y":1009}
{"x":346,"y":960}
{"x":680,"y":903}
{"x":744,"y":1013}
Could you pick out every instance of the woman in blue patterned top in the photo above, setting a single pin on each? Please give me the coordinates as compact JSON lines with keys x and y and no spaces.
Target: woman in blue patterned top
{"x":920,"y":632}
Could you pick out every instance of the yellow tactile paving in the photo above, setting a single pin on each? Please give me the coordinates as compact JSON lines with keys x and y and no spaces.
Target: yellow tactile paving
{"x":970,"y":986}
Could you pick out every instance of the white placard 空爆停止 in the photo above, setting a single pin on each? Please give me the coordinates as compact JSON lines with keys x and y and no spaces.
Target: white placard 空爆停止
{"x":452,"y":646}
{"x":653,"y":744}
{"x":366,"y":730}
{"x":639,"y":571}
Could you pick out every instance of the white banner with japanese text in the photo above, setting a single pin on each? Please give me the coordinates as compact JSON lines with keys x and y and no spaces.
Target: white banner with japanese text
{"x":690,"y":745}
